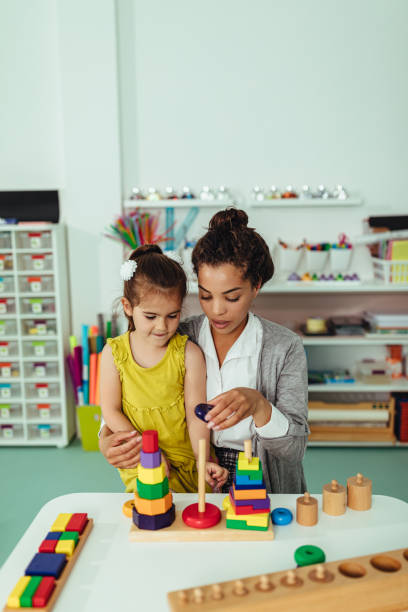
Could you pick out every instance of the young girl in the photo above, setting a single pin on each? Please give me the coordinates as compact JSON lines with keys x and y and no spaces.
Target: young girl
{"x":151,"y":376}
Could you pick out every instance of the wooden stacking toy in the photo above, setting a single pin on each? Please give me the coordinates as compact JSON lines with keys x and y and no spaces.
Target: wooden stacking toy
{"x":248,"y":504}
{"x":153,"y":505}
{"x":359,"y":492}
{"x":334,"y":498}
{"x":48,"y":570}
{"x":306,"y":510}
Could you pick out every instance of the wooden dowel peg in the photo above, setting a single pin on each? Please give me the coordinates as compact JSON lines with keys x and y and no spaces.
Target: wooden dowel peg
{"x":248,"y":449}
{"x":201,"y":474}
{"x":306,"y":510}
{"x":359,"y":492}
{"x":334,"y":498}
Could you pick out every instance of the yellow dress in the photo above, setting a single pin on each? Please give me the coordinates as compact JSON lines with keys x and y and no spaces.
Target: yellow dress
{"x":153,"y":398}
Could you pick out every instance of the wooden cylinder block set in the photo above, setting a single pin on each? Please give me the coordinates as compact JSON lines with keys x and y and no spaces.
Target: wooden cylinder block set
{"x":372,"y":582}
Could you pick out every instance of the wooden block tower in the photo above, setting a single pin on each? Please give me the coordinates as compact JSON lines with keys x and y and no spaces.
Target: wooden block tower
{"x":248,"y":504}
{"x":153,"y":506}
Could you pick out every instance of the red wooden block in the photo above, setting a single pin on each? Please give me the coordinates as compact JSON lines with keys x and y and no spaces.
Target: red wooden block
{"x":248,"y":509}
{"x":47,"y":546}
{"x":43,"y":592}
{"x":77,"y":522}
{"x":150,"y":441}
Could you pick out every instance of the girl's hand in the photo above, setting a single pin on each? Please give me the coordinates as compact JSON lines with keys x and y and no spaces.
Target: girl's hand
{"x":121,"y":449}
{"x":215,"y":475}
{"x":166,"y":464}
{"x":237,"y":404}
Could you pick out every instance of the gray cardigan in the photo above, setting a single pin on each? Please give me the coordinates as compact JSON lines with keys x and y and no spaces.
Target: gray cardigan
{"x":282,"y":380}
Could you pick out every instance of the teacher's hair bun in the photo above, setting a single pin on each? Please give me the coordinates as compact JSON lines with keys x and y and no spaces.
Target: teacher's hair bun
{"x":228,"y":220}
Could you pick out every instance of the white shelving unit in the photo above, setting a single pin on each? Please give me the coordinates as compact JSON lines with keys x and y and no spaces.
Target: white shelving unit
{"x":324,"y":287}
{"x":305,"y":202}
{"x":182,"y":203}
{"x":36,"y":406}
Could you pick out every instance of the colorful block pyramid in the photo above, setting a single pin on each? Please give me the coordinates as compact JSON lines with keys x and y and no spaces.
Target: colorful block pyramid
{"x":248,"y":505}
{"x":153,"y":505}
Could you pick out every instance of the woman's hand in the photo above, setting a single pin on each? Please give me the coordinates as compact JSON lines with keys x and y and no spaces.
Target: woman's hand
{"x":121,"y":449}
{"x":237,"y":404}
{"x":215,"y":475}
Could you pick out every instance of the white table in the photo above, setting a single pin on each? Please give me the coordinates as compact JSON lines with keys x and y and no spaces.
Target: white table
{"x":113,"y":573}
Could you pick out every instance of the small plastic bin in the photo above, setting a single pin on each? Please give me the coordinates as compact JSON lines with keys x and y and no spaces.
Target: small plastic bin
{"x":7,"y":305}
{"x":42,"y":390}
{"x":34,"y":240}
{"x":40,"y":369}
{"x":10,"y":411}
{"x":43,"y":410}
{"x":8,"y":348}
{"x":391,"y":270}
{"x":36,"y":284}
{"x":89,"y":419}
{"x":340,"y":260}
{"x":9,"y":369}
{"x":5,"y":240}
{"x":287,"y":260}
{"x":9,"y":390}
{"x":36,"y":262}
{"x":39,"y":348}
{"x":6,"y":284}
{"x":44,"y":431}
{"x":39,"y":327}
{"x":316,"y":261}
{"x":11,"y":431}
{"x":6,"y":262}
{"x":8,"y":327}
{"x":38,"y":305}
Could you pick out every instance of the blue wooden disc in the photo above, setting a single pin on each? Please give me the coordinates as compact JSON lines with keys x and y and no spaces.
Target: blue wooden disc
{"x":281,"y":516}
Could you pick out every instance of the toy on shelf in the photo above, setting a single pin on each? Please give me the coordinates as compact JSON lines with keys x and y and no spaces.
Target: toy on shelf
{"x":153,"y":506}
{"x":49,"y":569}
{"x":248,"y":504}
{"x":372,"y":582}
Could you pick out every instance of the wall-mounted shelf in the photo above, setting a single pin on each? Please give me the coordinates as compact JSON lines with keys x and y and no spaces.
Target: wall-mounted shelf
{"x":324,"y":287}
{"x":380,"y":339}
{"x":182,"y":203}
{"x":399,"y":385}
{"x":305,"y":203}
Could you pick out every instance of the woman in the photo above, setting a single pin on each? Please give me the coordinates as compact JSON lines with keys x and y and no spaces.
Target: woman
{"x":256,"y":369}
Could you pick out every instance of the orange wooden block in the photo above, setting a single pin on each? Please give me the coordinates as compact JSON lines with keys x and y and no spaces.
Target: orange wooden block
{"x":249,"y":493}
{"x":153,"y":506}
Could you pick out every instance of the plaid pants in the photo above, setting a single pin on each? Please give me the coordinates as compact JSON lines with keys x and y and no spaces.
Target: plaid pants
{"x":227,"y":458}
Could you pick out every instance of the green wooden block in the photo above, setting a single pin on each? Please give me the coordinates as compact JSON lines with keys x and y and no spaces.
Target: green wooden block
{"x":26,"y":597}
{"x":308,"y":555}
{"x":70,"y":535}
{"x":153,"y":491}
{"x":243,"y":525}
{"x":253,"y":474}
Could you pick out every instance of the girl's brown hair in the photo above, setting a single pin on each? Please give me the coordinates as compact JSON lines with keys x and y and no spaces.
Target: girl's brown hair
{"x":230,"y":240}
{"x":155,"y":272}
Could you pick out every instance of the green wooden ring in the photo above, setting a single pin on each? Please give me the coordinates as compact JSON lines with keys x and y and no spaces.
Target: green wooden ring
{"x":308,"y":555}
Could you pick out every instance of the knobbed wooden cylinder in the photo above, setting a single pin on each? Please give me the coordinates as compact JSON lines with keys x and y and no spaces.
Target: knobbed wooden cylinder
{"x":334,"y":498}
{"x":306,"y":510}
{"x":359,"y":492}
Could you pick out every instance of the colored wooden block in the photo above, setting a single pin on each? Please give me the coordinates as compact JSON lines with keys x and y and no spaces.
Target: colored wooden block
{"x":159,"y":521}
{"x":247,"y":480}
{"x":281,"y":516}
{"x":151,"y":475}
{"x":46,"y":564}
{"x":237,"y":524}
{"x":13,"y":600}
{"x":70,"y":535}
{"x":244,"y":464}
{"x":26,"y":598}
{"x":252,"y":520}
{"x":44,"y":591}
{"x":153,"y":506}
{"x":150,"y":460}
{"x":249,"y":493}
{"x":257,"y":503}
{"x":251,"y":509}
{"x":253,"y":475}
{"x":152,"y":491}
{"x":53,"y":535}
{"x":61,"y":522}
{"x":150,"y":441}
{"x":47,"y":546}
{"x":66,"y":547}
{"x":77,"y":522}
{"x":247,"y":487}
{"x":309,"y":555}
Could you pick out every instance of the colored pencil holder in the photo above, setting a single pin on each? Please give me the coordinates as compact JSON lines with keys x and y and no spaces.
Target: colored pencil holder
{"x":340,"y":260}
{"x":89,"y":419}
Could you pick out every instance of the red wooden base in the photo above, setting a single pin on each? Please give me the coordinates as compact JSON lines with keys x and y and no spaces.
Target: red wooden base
{"x":201,"y":520}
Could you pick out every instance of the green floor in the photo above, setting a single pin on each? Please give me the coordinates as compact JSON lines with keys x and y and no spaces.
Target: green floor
{"x":29,"y":477}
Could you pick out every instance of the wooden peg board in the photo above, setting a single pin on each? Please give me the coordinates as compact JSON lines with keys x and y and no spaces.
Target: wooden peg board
{"x":374,"y":582}
{"x":59,"y":583}
{"x":179,"y":532}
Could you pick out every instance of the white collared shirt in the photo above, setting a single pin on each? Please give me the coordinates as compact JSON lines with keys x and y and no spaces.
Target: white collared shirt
{"x":239,"y":369}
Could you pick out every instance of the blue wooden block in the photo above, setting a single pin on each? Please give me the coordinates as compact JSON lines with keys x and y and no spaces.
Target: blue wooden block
{"x":281,"y":516}
{"x":53,"y":535}
{"x":245,"y":480}
{"x":250,"y":486}
{"x":46,"y":564}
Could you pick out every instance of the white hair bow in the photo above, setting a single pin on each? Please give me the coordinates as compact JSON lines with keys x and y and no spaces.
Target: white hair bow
{"x":127,"y":269}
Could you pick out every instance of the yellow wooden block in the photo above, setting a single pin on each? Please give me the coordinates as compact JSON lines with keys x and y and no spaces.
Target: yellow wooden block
{"x":13,"y":600}
{"x":66,"y":547}
{"x":151,"y":475}
{"x":259,"y":519}
{"x":61,"y":522}
{"x":226,"y":503}
{"x":244,"y":464}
